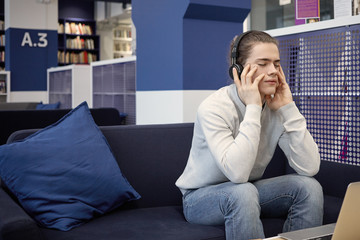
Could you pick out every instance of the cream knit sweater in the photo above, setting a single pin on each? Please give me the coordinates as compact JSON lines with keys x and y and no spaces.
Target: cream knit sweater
{"x":234,"y":142}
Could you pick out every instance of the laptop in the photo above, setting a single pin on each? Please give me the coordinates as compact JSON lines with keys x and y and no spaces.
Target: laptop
{"x":347,"y":226}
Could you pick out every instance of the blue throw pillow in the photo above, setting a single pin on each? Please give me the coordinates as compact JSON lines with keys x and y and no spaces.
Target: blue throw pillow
{"x":47,"y":106}
{"x":65,"y":174}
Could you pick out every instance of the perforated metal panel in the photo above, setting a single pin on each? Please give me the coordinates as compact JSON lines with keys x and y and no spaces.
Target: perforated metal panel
{"x":323,"y":71}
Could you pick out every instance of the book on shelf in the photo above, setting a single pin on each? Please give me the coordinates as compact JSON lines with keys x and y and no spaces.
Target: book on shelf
{"x":67,"y":28}
{"x":89,"y":44}
{"x":80,"y":43}
{"x":122,"y":33}
{"x":122,"y":46}
{"x":61,"y":57}
{"x":83,"y":57}
{"x":2,"y":40}
{"x":74,"y":29}
{"x":61,"y":28}
{"x":2,"y":56}
{"x":2,"y":25}
{"x":77,"y":28}
{"x":87,"y":30}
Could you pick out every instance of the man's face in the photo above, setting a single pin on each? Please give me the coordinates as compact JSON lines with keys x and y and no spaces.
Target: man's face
{"x":266,"y":57}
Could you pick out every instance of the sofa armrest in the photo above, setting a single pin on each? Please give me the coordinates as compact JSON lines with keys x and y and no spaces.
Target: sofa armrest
{"x":15,"y":223}
{"x":335,"y":177}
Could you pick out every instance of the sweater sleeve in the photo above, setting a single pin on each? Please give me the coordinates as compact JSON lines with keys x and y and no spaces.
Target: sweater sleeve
{"x":234,"y":154}
{"x":297,"y":143}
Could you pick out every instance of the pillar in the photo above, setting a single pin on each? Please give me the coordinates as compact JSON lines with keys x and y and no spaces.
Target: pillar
{"x":31,"y":46}
{"x":182,"y":54}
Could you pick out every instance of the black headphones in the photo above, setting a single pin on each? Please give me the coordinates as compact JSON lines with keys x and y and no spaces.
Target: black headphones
{"x":234,"y":55}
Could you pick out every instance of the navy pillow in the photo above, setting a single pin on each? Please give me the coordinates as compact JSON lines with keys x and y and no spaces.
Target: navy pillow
{"x":65,"y":174}
{"x":47,"y":106}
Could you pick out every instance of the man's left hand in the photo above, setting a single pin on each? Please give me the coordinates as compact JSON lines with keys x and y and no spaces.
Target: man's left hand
{"x":282,"y":95}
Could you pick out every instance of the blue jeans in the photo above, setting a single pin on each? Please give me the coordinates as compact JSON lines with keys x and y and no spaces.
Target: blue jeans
{"x":239,"y":206}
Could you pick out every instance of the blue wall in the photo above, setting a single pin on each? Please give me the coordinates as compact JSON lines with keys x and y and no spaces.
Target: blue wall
{"x":159,"y":43}
{"x":183,"y":45}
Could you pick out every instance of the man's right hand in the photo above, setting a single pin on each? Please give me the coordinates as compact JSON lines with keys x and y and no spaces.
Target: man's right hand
{"x":248,"y":89}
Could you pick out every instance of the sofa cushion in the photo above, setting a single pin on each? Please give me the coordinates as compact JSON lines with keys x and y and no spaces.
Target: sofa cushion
{"x":158,"y":154}
{"x":165,"y":223}
{"x":65,"y":174}
{"x":332,"y":206}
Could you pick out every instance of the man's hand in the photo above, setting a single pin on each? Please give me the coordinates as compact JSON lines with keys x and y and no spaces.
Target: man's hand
{"x":282,"y":95}
{"x":248,"y":90}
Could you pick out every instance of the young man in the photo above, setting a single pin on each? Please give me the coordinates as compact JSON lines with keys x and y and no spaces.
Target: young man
{"x":236,"y":132}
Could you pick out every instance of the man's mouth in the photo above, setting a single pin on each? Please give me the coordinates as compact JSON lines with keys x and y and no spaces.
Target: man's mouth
{"x":271,"y":82}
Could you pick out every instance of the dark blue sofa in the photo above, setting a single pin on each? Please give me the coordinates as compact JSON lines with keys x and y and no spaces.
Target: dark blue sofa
{"x":152,"y":157}
{"x":13,"y":120}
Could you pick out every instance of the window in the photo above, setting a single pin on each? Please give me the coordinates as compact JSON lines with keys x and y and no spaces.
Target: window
{"x":269,"y":14}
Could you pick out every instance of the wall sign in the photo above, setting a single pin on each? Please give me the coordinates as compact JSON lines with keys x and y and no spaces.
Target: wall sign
{"x":41,"y":41}
{"x":31,"y":53}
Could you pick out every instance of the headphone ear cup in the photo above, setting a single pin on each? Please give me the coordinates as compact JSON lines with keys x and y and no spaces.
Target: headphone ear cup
{"x":239,"y":69}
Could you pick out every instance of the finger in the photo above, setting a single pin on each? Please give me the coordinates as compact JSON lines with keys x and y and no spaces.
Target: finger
{"x":236,"y":77}
{"x":249,"y":76}
{"x":244,"y":73}
{"x":281,"y":78}
{"x":281,"y":75}
{"x":258,"y":79}
{"x":281,"y":71}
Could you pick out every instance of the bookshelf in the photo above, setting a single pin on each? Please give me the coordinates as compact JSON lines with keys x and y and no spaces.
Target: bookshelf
{"x":78,"y":42}
{"x":70,"y":85}
{"x":122,"y":41}
{"x":4,"y":86}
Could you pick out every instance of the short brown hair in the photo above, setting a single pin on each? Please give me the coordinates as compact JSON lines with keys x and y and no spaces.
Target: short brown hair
{"x":247,"y":42}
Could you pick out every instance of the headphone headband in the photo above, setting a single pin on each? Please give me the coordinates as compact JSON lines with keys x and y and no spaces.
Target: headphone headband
{"x":234,"y":55}
{"x":234,"y":50}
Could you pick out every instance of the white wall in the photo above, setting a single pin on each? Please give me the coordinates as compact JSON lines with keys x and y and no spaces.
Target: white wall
{"x":161,"y":107}
{"x":31,"y":14}
{"x":33,"y":96}
{"x":106,"y":43}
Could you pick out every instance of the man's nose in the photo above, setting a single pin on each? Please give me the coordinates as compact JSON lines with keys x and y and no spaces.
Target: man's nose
{"x":272,"y":69}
